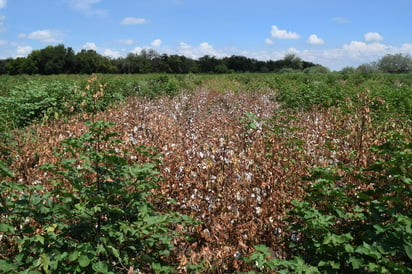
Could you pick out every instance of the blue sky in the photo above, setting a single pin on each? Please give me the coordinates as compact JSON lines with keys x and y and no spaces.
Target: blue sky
{"x":329,"y":32}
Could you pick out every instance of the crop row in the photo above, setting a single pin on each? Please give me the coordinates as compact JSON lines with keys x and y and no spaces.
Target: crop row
{"x":25,"y":99}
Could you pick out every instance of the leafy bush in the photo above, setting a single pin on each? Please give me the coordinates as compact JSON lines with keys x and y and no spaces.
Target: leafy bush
{"x":341,"y":227}
{"x":96,"y":217}
{"x":40,"y":100}
{"x":32,"y":101}
{"x":160,"y":86}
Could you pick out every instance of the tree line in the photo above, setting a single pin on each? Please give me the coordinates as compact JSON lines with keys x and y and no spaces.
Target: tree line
{"x":63,"y":60}
{"x":390,"y":63}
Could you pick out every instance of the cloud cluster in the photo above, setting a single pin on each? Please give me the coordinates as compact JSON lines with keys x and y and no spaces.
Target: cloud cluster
{"x":202,"y":49}
{"x":86,"y":6}
{"x":112,"y":53}
{"x":23,"y":50}
{"x":127,"y":42}
{"x":315,"y":40}
{"x":104,"y":51}
{"x":359,"y":49}
{"x":3,"y":4}
{"x":373,"y":37}
{"x":156,"y":43}
{"x":269,"y":41}
{"x":283,"y":34}
{"x":44,"y":36}
{"x":89,"y":46}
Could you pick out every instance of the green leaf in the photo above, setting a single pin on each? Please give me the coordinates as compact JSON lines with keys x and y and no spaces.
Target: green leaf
{"x":6,"y":228}
{"x":40,"y":239}
{"x":263,"y":249}
{"x":6,"y":267}
{"x":73,"y":256}
{"x":114,"y":251}
{"x":379,"y":229}
{"x":45,"y":262}
{"x":408,"y":250}
{"x":83,"y":261}
{"x":5,"y":172}
{"x":355,"y":262}
{"x":100,"y":267}
{"x":349,"y":248}
{"x":51,"y":228}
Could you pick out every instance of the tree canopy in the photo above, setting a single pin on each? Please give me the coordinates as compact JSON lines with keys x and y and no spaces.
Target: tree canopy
{"x":59,"y":59}
{"x":390,"y":63}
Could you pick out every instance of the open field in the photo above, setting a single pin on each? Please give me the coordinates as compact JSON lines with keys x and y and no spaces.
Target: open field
{"x":236,"y":150}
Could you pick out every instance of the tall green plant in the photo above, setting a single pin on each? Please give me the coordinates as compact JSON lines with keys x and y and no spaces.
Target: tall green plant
{"x":96,"y":218}
{"x":339,"y":228}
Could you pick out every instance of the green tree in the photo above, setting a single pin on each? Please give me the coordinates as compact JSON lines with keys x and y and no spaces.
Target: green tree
{"x":221,"y":68}
{"x":89,"y":61}
{"x":348,"y":70}
{"x":15,"y":66}
{"x":367,"y":68}
{"x":395,"y":63}
{"x":208,"y":63}
{"x":239,"y":63}
{"x":316,"y":69}
{"x":292,"y":61}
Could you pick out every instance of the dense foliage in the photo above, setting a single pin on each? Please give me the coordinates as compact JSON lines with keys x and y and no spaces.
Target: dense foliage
{"x":340,"y":227}
{"x":289,"y":172}
{"x":25,"y":99}
{"x":95,"y":218}
{"x":390,"y":63}
{"x":59,"y":59}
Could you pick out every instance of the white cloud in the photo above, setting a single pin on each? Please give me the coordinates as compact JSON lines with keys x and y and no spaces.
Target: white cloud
{"x":196,"y":52}
{"x":23,"y":50}
{"x":137,"y":50}
{"x":359,"y":49}
{"x":207,"y":49}
{"x":283,"y":34}
{"x":156,"y":43}
{"x":112,"y":53}
{"x":83,"y":4}
{"x":351,"y":54}
{"x":86,"y":6}
{"x":269,"y":41}
{"x":293,"y":51}
{"x":373,"y":37}
{"x":315,"y":40}
{"x":44,"y":36}
{"x":133,"y":21}
{"x":186,"y":50}
{"x":407,"y":48}
{"x":3,"y":3}
{"x":340,"y":20}
{"x":89,"y":45}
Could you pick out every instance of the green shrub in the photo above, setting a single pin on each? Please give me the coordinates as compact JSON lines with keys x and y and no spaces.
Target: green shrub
{"x":162,"y":85}
{"x":95,"y":217}
{"x":339,"y":228}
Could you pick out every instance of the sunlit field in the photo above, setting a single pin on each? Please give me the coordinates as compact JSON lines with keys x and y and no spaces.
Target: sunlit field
{"x":272,"y":172}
